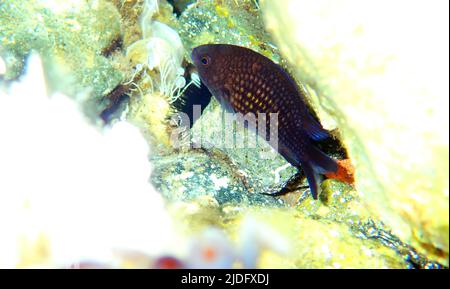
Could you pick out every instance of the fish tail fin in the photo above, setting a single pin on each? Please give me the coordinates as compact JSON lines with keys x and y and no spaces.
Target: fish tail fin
{"x":321,"y":163}
{"x":318,"y":164}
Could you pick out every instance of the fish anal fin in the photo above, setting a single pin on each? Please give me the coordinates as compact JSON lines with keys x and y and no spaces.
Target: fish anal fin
{"x":314,"y":179}
{"x":313,"y":162}
{"x":316,"y":165}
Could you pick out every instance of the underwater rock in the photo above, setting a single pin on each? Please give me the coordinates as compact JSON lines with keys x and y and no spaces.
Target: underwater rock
{"x":262,"y":167}
{"x":318,"y":243}
{"x":225,"y":21}
{"x":271,"y":237}
{"x":70,"y":37}
{"x":385,"y":83}
{"x":338,"y":202}
{"x":286,"y":238}
{"x":196,"y":174}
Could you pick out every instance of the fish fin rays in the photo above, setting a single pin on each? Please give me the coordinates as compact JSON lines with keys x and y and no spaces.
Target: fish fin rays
{"x":312,"y":176}
{"x":314,"y":179}
{"x":314,"y":129}
{"x":314,"y":165}
{"x":227,"y":107}
{"x":221,"y":97}
{"x":321,"y":162}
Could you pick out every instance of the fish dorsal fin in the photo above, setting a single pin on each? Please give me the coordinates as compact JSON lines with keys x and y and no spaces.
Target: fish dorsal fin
{"x":314,"y":129}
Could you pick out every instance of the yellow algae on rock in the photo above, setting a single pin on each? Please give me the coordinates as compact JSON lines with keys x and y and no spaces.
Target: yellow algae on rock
{"x":285,"y":237}
{"x":312,"y":243}
{"x":382,"y":75}
{"x":225,"y":21}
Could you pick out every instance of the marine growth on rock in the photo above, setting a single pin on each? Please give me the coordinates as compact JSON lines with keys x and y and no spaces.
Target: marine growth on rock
{"x":116,"y":119}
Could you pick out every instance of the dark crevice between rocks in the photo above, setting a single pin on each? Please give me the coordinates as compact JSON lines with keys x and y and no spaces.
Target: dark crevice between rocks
{"x":193,"y":95}
{"x":414,"y":260}
{"x":118,"y":100}
{"x":332,"y":146}
{"x":115,"y":103}
{"x":180,"y":5}
{"x":115,"y":45}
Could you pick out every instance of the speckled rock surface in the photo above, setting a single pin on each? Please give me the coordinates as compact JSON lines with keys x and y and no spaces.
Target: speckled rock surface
{"x":69,"y":35}
{"x":188,"y":176}
{"x":232,"y":22}
{"x":388,"y":93}
{"x":263,"y":168}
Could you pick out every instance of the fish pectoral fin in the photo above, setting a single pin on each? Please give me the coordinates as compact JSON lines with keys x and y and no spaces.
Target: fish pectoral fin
{"x":227,"y":107}
{"x":314,"y":129}
{"x":224,"y":100}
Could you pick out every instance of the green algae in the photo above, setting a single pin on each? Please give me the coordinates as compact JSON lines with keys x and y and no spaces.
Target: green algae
{"x":69,"y":39}
{"x":230,"y":22}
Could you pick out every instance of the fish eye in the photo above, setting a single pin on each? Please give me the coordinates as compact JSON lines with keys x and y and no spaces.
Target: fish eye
{"x":205,"y":60}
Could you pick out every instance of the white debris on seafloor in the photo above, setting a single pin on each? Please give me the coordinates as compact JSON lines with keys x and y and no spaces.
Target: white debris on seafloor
{"x":256,"y":236}
{"x":212,"y":249}
{"x":68,"y":191}
{"x":219,"y":182}
{"x":277,"y":171}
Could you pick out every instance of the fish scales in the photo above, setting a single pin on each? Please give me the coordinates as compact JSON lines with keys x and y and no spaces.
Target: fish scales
{"x":245,"y":81}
